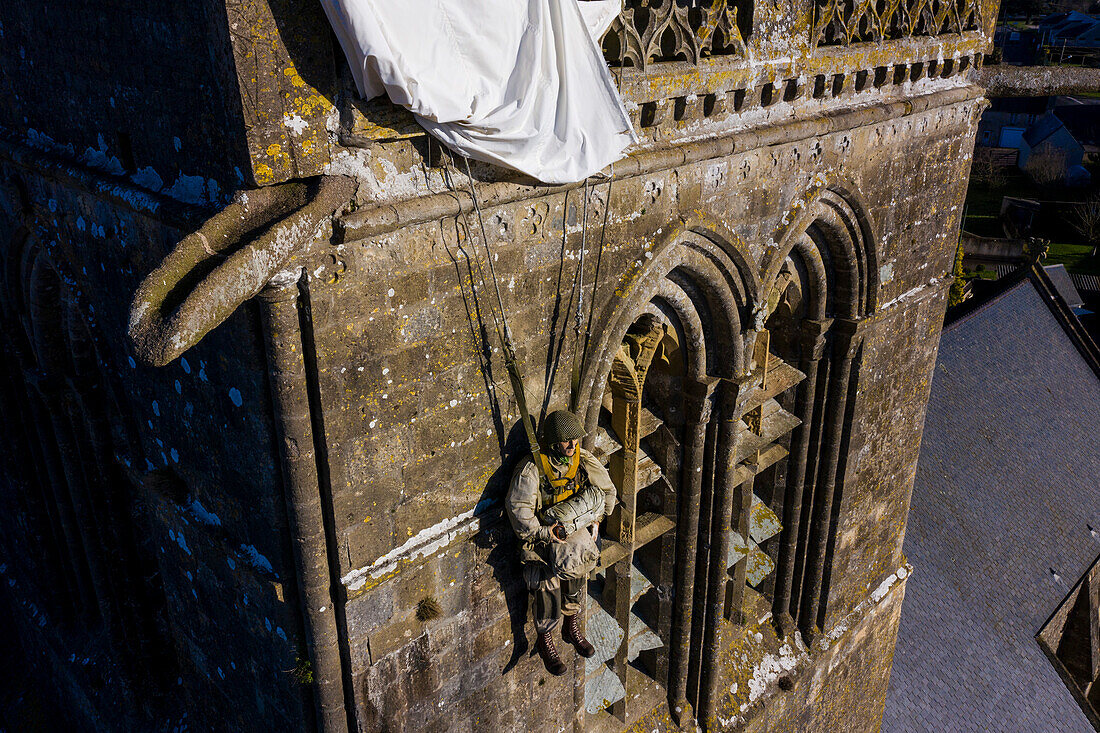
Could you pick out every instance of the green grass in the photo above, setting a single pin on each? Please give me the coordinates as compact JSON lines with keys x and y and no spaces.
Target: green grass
{"x":1076,"y":257}
{"x":983,"y":199}
{"x":980,"y":274}
{"x":983,"y":225}
{"x":983,"y":211}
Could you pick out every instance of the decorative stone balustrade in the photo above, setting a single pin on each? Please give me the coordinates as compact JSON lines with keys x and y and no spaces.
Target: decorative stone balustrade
{"x":844,"y":22}
{"x":677,"y":30}
{"x":685,"y":67}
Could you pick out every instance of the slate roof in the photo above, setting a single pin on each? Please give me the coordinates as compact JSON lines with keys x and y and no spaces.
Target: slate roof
{"x":1081,"y":116}
{"x":1043,"y":128}
{"x":1006,"y":486}
{"x":1068,"y":24}
{"x":1063,"y":283}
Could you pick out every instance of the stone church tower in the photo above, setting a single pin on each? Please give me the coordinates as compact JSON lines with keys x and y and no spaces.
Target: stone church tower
{"x":257,"y":421}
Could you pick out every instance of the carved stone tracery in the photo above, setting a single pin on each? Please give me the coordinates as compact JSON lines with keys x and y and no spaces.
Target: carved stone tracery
{"x":677,"y":30}
{"x":844,"y":22}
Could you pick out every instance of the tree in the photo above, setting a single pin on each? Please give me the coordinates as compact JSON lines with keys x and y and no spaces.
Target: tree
{"x":981,"y":166}
{"x":983,"y":170}
{"x":1086,"y":220}
{"x":1026,"y":8}
{"x":1046,"y":165}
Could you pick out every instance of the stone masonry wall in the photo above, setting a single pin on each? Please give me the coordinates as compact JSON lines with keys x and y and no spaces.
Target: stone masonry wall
{"x":417,"y":425}
{"x":134,"y":89}
{"x":194,"y":100}
{"x":846,"y":688}
{"x":194,"y":443}
{"x":920,"y":234}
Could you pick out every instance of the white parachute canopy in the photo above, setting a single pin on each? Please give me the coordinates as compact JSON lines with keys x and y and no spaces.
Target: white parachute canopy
{"x":517,"y":83}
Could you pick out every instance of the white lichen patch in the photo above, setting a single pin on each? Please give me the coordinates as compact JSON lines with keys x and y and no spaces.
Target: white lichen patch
{"x":423,"y":544}
{"x":770,"y":669}
{"x":296,"y":123}
{"x":911,"y":293}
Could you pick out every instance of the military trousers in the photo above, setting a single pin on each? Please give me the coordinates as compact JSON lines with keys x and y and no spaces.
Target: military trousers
{"x":551,"y":603}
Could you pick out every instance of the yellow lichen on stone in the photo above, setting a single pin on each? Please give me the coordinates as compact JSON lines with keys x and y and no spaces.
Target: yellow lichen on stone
{"x":294,"y":77}
{"x":264,"y":174}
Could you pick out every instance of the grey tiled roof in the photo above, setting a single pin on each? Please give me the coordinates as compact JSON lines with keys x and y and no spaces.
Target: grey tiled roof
{"x":1007,"y":482}
{"x":1043,"y":128}
{"x":1085,"y":283}
{"x":1063,"y":283}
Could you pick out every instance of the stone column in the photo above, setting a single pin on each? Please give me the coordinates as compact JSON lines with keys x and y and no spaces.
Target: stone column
{"x":50,"y":351}
{"x":82,"y":597}
{"x":846,"y":346}
{"x":301,"y":487}
{"x":813,"y":346}
{"x":726,"y":494}
{"x":698,"y":401}
{"x":702,"y":556}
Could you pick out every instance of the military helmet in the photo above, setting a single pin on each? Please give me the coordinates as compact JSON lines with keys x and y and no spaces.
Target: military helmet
{"x":561,"y":426}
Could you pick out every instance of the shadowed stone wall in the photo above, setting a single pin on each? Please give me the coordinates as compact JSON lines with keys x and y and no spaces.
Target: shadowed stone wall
{"x":195,"y":578}
{"x":165,"y":500}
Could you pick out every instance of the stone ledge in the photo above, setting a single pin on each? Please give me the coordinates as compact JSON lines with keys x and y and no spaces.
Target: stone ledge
{"x":382,"y":218}
{"x":1003,"y":80}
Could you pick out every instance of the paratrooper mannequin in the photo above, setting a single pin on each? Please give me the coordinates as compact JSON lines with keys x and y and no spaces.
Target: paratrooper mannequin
{"x":555,"y":510}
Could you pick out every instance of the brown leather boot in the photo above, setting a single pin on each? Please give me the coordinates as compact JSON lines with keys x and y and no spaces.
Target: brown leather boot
{"x":549,"y":654}
{"x":572,"y":634}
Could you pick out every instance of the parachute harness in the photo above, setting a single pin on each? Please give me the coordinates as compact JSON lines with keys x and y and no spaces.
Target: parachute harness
{"x":500,"y":320}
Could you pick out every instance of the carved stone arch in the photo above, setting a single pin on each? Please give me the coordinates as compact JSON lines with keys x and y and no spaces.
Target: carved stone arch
{"x":23,"y":405}
{"x":717,"y":267}
{"x":735,"y":254}
{"x":46,"y":314}
{"x":690,"y":303}
{"x":831,"y":235}
{"x":51,"y":361}
{"x":859,"y":214}
{"x":11,"y":299}
{"x":82,"y":351}
{"x":793,"y":225}
{"x":674,"y":306}
{"x":24,"y":272}
{"x":844,"y":243}
{"x":841,"y":228}
{"x":817,"y":282}
{"x":719,"y":314}
{"x":16,"y":264}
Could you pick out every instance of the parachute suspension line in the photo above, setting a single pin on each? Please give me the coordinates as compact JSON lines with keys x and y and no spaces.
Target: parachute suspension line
{"x":599,"y":261}
{"x":578,"y":315}
{"x":475,"y":259}
{"x":505,"y":334}
{"x":488,"y":253}
{"x":603,"y":229}
{"x":474,"y":262}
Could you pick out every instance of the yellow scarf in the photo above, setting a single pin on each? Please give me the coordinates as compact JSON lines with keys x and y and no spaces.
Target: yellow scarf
{"x":565,"y":481}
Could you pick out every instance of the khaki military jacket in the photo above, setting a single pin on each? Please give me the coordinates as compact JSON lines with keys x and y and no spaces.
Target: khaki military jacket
{"x":525,"y":501}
